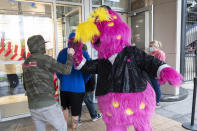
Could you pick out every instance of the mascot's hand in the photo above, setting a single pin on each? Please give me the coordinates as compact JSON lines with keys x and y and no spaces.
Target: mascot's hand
{"x":77,"y":46}
{"x":170,"y":75}
{"x":77,"y":58}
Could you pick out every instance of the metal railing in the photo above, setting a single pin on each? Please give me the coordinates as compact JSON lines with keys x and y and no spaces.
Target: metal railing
{"x":190,"y":71}
{"x":190,"y":41}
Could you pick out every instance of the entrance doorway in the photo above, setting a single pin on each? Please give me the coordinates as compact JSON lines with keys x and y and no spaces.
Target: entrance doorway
{"x":18,"y":21}
{"x":141,"y":25}
{"x":68,"y":17}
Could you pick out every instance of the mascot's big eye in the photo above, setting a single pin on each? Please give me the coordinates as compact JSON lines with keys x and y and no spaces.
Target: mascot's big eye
{"x":97,"y":42}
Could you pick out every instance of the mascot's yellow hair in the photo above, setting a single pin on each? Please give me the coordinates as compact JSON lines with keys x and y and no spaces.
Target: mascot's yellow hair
{"x":99,"y":15}
{"x":87,"y":30}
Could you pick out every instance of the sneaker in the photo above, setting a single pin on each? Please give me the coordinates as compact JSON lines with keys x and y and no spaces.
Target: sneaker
{"x":158,"y":105}
{"x":79,"y":123}
{"x":99,"y":116}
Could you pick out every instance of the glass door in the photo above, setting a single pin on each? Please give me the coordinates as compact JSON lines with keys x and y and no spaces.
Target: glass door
{"x":68,"y":17}
{"x":138,"y":30}
{"x":141,"y":24}
{"x":18,"y":21}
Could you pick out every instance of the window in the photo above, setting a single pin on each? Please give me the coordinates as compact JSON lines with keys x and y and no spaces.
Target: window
{"x":70,"y":0}
{"x":68,"y":17}
{"x":117,"y":3}
{"x":18,"y":22}
{"x":96,"y":2}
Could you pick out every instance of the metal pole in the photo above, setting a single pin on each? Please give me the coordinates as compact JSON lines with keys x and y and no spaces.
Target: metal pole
{"x":196,"y":59}
{"x":102,"y":2}
{"x":192,"y":126}
{"x":55,"y":28}
{"x":194,"y":102}
{"x":152,"y":22}
{"x":183,"y":35}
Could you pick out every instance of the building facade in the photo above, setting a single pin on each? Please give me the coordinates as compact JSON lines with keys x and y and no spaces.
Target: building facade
{"x":55,"y":19}
{"x":20,"y":19}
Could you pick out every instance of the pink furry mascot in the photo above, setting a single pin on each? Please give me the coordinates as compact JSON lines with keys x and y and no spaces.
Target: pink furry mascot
{"x":125,"y":96}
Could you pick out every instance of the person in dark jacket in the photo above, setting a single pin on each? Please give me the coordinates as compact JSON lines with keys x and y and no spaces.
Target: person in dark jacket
{"x":88,"y":98}
{"x":38,"y":72}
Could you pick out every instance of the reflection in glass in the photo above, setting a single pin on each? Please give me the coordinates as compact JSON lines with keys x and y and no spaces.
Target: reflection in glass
{"x":96,"y":2}
{"x":16,"y":29}
{"x":11,"y":80}
{"x":138,"y":30}
{"x":117,"y":3}
{"x":71,"y":0}
{"x":12,"y":99}
{"x":67,"y":20}
{"x":18,"y":21}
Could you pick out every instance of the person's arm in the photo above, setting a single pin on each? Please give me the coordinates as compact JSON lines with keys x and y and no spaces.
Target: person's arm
{"x":61,"y":68}
{"x":57,"y":67}
{"x":161,"y":56}
{"x":62,"y":56}
{"x":90,"y":85}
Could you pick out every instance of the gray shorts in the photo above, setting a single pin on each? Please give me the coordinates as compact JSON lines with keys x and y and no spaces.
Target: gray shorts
{"x":52,"y":114}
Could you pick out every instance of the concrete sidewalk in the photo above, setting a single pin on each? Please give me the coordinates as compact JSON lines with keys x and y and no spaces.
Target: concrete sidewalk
{"x":169,"y":117}
{"x":159,"y":123}
{"x":179,"y":111}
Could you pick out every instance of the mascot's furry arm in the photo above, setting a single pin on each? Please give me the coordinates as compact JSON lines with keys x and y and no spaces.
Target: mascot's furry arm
{"x":170,"y":75}
{"x":166,"y":73}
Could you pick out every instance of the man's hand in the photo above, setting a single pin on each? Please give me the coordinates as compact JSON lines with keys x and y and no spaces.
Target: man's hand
{"x":71,"y":51}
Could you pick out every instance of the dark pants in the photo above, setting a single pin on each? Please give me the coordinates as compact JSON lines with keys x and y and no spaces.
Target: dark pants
{"x":13,"y":80}
{"x":156,"y":87}
{"x":88,"y":99}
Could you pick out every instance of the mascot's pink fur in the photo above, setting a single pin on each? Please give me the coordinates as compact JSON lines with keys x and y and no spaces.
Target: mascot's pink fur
{"x":121,"y":110}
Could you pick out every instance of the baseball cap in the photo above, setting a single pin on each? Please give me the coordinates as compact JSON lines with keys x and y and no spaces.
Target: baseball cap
{"x":36,"y":39}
